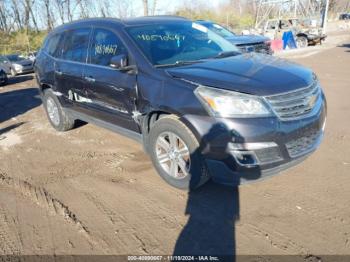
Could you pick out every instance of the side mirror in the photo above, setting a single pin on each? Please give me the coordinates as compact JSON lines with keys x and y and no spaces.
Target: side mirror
{"x":119,"y":61}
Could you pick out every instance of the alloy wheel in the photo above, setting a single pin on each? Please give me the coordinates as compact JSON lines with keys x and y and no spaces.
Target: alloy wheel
{"x":52,"y":110}
{"x":173,"y":155}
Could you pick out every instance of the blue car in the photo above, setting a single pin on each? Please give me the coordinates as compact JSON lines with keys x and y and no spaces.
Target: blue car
{"x":246,"y":43}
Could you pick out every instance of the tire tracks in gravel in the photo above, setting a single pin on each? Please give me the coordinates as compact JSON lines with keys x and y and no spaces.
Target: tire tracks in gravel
{"x":277,"y":239}
{"x":44,"y":199}
{"x":9,"y":238}
{"x":129,"y":223}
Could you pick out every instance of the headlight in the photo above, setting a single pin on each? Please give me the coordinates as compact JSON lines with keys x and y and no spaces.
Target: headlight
{"x":17,"y":66}
{"x":223,"y":103}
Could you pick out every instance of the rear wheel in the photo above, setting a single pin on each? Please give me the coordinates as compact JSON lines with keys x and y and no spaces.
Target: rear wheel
{"x":58,"y":118}
{"x":175,"y":154}
{"x":302,"y":42}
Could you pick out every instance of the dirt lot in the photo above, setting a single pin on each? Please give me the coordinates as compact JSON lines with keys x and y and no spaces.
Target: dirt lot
{"x":90,"y":191}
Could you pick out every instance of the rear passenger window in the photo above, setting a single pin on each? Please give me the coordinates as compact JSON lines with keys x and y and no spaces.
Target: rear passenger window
{"x":76,"y":45}
{"x":105,"y":45}
{"x":53,"y":44}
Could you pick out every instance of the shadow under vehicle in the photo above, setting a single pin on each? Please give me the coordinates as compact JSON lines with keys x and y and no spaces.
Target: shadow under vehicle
{"x":200,"y":107}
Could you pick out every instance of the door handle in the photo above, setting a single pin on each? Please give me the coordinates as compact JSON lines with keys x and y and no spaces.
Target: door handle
{"x":58,"y":72}
{"x":89,"y":79}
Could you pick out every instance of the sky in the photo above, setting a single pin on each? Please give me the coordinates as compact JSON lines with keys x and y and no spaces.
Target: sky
{"x":166,"y":6}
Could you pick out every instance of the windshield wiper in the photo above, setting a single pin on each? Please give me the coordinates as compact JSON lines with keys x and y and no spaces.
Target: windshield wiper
{"x":179,"y":63}
{"x":227,"y":54}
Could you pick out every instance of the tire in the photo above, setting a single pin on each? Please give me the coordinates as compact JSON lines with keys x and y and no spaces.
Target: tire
{"x":5,"y":79}
{"x":196,"y":174}
{"x":302,"y":42}
{"x":13,"y":72}
{"x":58,"y":118}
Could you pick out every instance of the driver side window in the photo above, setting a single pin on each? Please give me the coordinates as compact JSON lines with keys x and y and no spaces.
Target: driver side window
{"x":105,"y":45}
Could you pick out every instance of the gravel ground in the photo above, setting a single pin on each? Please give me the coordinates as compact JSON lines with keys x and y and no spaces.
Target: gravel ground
{"x":90,"y":191}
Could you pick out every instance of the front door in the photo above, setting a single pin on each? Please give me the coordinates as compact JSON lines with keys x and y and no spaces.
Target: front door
{"x":112,"y":92}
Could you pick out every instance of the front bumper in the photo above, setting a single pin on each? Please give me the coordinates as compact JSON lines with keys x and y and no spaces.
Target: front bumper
{"x":24,"y":70}
{"x":272,"y":145}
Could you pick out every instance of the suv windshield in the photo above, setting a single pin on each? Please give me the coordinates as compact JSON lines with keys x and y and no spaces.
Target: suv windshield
{"x":15,"y":58}
{"x":220,"y":30}
{"x":176,"y":44}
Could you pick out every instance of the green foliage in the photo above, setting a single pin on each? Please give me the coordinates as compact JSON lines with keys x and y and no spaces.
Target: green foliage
{"x":21,"y":42}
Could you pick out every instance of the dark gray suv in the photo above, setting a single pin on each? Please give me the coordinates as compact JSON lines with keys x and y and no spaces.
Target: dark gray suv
{"x":200,"y":107}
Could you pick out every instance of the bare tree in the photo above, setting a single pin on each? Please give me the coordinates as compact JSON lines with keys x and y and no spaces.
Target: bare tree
{"x":154,"y":7}
{"x":61,"y":5}
{"x":145,"y":7}
{"x":17,"y":15}
{"x":49,"y":16}
{"x":4,"y":18}
{"x":29,"y":15}
{"x":84,"y":11}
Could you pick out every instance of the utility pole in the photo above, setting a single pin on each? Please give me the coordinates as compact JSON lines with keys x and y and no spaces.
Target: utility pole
{"x":324,"y":18}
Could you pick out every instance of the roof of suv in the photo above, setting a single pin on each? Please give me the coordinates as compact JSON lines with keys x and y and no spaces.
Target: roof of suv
{"x":153,"y":19}
{"x":124,"y":22}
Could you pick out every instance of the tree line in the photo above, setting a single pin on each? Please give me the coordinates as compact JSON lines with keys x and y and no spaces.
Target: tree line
{"x":24,"y":23}
{"x":46,"y":14}
{"x":39,"y":15}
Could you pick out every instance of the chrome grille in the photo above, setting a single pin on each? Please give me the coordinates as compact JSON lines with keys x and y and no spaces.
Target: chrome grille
{"x":261,"y":48}
{"x":257,"y":47}
{"x":303,"y":144}
{"x":296,"y":103}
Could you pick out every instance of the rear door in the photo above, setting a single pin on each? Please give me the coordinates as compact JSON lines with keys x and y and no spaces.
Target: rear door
{"x":112,"y":92}
{"x":69,"y":68}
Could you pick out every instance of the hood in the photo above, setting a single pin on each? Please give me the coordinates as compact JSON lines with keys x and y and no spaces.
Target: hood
{"x":247,"y":39}
{"x":251,"y":73}
{"x":23,"y":62}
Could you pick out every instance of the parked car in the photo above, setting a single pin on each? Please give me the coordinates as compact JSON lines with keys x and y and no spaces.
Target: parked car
{"x":303,"y":32}
{"x":20,"y":65}
{"x":3,"y":76}
{"x":345,"y":16}
{"x":200,"y":107}
{"x":5,"y":64}
{"x":246,"y":43}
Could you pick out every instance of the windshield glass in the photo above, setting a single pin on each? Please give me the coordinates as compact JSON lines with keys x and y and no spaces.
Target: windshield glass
{"x":220,"y":30}
{"x":14,"y":58}
{"x":167,"y":43}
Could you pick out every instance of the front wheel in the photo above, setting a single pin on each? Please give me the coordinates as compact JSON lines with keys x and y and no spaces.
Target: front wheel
{"x":302,"y":42}
{"x":4,"y":78}
{"x":58,"y":118}
{"x":176,"y":154}
{"x":13,"y":72}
